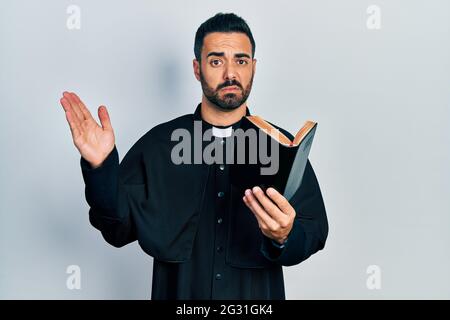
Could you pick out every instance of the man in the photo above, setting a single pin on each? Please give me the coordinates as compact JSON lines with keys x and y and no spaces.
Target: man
{"x":208,"y":241}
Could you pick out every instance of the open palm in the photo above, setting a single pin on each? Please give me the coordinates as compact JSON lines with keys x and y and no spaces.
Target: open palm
{"x":94,"y":142}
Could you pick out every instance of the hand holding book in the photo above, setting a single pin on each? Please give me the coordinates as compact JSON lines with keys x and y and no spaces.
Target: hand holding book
{"x":274,"y":213}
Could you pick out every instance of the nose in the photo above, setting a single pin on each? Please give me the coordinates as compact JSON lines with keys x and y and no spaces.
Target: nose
{"x":229,"y":72}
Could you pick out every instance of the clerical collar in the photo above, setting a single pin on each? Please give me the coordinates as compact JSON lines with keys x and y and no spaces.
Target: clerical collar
{"x":222,"y":132}
{"x":218,"y":131}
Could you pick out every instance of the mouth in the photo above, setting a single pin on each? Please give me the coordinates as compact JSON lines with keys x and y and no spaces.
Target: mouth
{"x":230,"y":88}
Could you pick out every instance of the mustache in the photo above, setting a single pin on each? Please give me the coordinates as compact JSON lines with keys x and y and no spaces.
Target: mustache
{"x":229,"y":83}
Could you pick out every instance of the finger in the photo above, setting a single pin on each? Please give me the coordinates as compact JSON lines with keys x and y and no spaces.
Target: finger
{"x":259,"y":211}
{"x":84,"y":110}
{"x":280,"y":201}
{"x":65,"y":104}
{"x":270,"y":207}
{"x":104,"y":118}
{"x":74,"y":105}
{"x":73,"y":125}
{"x":260,"y":222}
{"x":68,"y":108}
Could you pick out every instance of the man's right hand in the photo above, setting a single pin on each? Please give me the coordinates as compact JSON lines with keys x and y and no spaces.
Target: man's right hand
{"x":94,"y":142}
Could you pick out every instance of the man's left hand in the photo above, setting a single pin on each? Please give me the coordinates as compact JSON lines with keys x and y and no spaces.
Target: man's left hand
{"x":273,"y":211}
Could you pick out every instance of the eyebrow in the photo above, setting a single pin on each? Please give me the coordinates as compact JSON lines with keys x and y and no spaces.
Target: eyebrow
{"x":221,"y":54}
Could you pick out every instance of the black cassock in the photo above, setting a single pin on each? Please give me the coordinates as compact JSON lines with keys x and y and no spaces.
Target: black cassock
{"x":205,"y":242}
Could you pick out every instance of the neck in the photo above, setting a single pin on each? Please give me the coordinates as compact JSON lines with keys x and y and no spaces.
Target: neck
{"x":218,"y":117}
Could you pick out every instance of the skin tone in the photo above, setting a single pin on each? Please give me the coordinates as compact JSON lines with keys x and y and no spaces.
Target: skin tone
{"x":226,"y":73}
{"x":226,"y":59}
{"x":94,"y":142}
{"x":274,"y":213}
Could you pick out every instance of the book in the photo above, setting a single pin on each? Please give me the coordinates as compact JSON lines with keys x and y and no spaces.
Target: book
{"x":282,"y":169}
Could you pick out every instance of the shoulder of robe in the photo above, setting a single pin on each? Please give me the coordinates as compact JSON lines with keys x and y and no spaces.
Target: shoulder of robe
{"x":162,"y":132}
{"x":149,"y":145}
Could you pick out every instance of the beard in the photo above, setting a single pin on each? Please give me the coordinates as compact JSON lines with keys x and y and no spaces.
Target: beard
{"x":229,"y":101}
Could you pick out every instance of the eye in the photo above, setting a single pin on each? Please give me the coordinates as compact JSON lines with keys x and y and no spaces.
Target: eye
{"x":242,"y":62}
{"x":215,"y":62}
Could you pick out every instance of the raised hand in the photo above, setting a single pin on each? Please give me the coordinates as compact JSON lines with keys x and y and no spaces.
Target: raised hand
{"x":94,"y":142}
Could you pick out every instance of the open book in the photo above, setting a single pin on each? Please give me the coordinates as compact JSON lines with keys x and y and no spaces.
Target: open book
{"x":280,"y":168}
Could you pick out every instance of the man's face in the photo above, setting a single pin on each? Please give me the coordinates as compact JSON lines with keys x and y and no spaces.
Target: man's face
{"x":226,"y":70}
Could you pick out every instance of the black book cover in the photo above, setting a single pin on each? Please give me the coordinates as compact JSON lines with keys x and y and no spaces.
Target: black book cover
{"x":257,"y":163}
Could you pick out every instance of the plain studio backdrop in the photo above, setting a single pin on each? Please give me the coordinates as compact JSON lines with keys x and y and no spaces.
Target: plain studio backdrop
{"x":381,"y":152}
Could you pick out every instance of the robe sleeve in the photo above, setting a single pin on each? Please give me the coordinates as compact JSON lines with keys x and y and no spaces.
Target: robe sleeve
{"x":107,"y":190}
{"x":310,"y":228}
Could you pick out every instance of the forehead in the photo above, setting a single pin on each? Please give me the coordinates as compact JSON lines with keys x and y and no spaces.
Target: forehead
{"x":227,"y":42}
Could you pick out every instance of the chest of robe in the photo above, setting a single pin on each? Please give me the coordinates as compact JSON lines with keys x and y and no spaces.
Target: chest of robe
{"x":174,"y":196}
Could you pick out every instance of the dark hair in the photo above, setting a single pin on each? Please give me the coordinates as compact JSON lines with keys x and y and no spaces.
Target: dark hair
{"x":221,"y":22}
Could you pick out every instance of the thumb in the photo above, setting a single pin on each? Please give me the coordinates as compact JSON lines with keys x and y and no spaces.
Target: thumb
{"x":104,"y":118}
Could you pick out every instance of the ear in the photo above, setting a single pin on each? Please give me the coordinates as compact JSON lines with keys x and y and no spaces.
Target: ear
{"x":254,"y":66}
{"x":196,"y":66}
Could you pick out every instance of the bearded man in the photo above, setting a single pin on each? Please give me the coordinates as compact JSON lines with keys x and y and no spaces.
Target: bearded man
{"x":208,"y":240}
